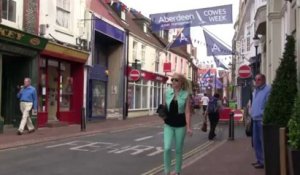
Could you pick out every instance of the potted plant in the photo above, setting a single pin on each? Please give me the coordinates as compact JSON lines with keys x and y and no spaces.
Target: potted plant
{"x":279,"y":107}
{"x":1,"y":125}
{"x":294,"y":139}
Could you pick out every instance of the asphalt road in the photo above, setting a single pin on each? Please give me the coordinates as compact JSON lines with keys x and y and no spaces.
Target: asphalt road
{"x":126,"y":152}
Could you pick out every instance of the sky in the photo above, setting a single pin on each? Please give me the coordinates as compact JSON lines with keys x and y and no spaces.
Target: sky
{"x":223,"y":32}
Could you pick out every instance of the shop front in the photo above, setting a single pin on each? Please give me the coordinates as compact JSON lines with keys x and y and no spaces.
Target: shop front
{"x":105,"y":90}
{"x":18,"y":59}
{"x":61,"y":81}
{"x":145,"y":93}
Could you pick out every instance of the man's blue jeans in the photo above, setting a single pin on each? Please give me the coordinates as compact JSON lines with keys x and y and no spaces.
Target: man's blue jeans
{"x":258,"y":141}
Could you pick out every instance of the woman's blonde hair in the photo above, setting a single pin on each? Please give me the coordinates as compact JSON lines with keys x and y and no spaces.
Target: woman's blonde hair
{"x":185,"y":85}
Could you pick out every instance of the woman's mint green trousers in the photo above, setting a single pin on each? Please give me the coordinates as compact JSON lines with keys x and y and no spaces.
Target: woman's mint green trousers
{"x":171,"y":133}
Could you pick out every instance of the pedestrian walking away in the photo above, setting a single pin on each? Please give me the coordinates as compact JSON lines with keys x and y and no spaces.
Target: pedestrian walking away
{"x":178,"y":121}
{"x":28,"y":100}
{"x":213,"y":110}
{"x":204,"y":101}
{"x":259,"y":98}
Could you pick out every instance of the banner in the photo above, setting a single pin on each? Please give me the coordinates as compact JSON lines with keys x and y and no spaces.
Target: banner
{"x":214,"y":47}
{"x":219,"y":63}
{"x":196,"y":17}
{"x":184,"y":38}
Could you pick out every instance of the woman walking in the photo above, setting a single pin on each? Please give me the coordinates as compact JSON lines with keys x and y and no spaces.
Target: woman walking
{"x":178,"y":122}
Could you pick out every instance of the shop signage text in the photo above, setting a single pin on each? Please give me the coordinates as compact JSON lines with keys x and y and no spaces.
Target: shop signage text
{"x":21,"y":38}
{"x":10,"y":34}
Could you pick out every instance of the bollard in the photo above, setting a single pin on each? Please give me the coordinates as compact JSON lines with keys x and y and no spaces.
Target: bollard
{"x":231,"y":126}
{"x":83,"y":121}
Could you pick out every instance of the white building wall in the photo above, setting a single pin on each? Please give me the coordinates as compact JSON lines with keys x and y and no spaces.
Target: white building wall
{"x":78,"y":27}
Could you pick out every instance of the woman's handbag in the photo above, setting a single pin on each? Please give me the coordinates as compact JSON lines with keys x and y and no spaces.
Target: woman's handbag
{"x":248,"y":127}
{"x":162,"y":111}
{"x":204,"y":127}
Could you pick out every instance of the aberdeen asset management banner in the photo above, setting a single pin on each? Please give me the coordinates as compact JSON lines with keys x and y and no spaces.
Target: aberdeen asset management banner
{"x":197,"y":17}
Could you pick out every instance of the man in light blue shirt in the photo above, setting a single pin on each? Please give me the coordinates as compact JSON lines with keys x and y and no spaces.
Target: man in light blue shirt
{"x":259,"y":98}
{"x":28,"y":100}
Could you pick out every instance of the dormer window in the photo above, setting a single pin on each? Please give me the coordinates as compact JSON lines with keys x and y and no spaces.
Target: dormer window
{"x":145,"y":28}
{"x":123,"y":15}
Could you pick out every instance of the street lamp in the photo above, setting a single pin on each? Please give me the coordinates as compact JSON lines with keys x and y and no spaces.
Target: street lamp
{"x":256,"y":43}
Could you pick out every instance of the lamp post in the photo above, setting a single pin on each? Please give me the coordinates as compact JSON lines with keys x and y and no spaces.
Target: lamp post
{"x":256,"y":43}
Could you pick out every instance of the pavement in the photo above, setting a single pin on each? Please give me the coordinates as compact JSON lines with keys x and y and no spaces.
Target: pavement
{"x":225,"y":157}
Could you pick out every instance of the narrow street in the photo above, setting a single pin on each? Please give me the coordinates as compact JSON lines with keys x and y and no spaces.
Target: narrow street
{"x":113,"y":152}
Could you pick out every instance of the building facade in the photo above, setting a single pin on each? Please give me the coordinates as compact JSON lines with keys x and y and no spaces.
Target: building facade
{"x":20,"y":46}
{"x":61,"y":64}
{"x":105,"y":82}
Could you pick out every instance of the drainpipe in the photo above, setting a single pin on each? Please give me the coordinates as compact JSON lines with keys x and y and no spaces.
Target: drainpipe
{"x":125,"y":80}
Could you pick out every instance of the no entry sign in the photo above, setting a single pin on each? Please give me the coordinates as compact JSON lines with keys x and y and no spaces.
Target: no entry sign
{"x":134,"y":75}
{"x":244,"y":71}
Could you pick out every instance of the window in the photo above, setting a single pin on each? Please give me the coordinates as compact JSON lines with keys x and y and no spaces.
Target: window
{"x":143,"y":55}
{"x":181,"y":66}
{"x":123,"y":15}
{"x":134,"y":47}
{"x":66,"y":87}
{"x":63,"y":13}
{"x":42,"y":86}
{"x":138,"y":95}
{"x":145,"y":27}
{"x":157,"y":61}
{"x":175,"y":63}
{"x":9,"y":10}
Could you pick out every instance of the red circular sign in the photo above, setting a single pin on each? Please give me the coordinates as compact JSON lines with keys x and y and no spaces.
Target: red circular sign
{"x":134,"y":75}
{"x":244,"y":71}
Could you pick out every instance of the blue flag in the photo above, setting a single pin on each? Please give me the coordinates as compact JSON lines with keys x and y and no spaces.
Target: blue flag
{"x":206,"y":75}
{"x":217,"y":83}
{"x":219,"y":63}
{"x":183,"y":38}
{"x":214,"y":47}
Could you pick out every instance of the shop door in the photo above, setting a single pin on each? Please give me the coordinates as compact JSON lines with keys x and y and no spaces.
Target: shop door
{"x":97,"y":103}
{"x":15,"y":69}
{"x":52,"y":90}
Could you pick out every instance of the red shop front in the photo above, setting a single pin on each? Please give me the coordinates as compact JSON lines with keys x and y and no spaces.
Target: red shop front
{"x":61,"y":82}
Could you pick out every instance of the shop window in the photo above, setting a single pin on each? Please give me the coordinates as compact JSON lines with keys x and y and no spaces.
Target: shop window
{"x":63,"y":13}
{"x":42,"y":86}
{"x":138,"y":95}
{"x":66,"y":84}
{"x":98,"y":99}
{"x":9,"y":10}
{"x":145,"y":95}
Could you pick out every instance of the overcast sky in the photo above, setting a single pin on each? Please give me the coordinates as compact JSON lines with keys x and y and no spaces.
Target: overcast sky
{"x":224,"y":32}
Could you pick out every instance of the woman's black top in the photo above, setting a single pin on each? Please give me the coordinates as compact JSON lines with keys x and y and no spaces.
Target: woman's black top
{"x":174,"y":119}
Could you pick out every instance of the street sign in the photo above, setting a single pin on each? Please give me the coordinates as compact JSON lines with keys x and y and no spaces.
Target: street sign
{"x":134,"y":75}
{"x":244,"y":71}
{"x":167,"y":67}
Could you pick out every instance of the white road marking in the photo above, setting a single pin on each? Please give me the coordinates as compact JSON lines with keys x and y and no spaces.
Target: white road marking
{"x":143,"y":138}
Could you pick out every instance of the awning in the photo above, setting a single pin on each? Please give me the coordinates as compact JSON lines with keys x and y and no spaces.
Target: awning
{"x":150,"y":75}
{"x":65,"y":53}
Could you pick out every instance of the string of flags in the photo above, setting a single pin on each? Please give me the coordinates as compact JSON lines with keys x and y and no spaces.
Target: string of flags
{"x":121,"y":6}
